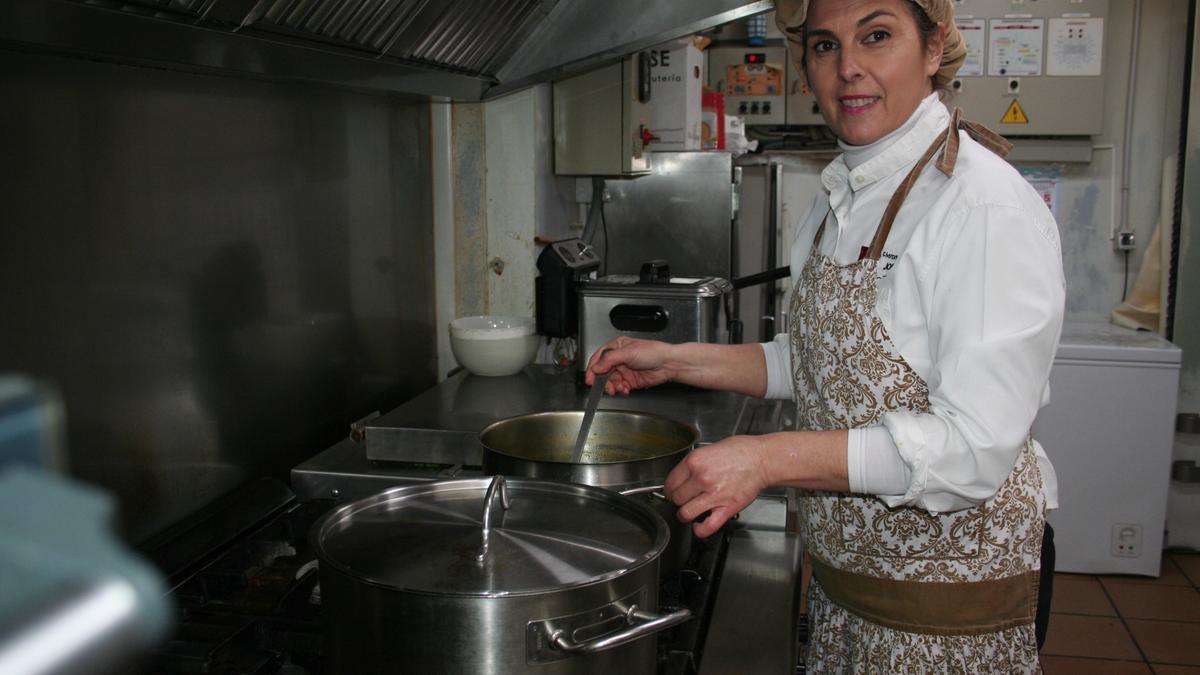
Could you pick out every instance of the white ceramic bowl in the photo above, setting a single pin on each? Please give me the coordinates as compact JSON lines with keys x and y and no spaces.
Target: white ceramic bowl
{"x":493,"y":345}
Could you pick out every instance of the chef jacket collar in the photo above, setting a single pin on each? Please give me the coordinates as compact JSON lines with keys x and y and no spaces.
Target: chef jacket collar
{"x":931,"y":120}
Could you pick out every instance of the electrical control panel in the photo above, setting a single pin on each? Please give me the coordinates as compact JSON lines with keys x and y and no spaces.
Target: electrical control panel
{"x":753,"y":81}
{"x":1033,"y":68}
{"x":760,"y":85}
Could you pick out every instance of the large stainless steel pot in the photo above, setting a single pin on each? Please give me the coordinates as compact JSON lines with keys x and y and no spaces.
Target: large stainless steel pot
{"x":492,"y":576}
{"x":625,"y":450}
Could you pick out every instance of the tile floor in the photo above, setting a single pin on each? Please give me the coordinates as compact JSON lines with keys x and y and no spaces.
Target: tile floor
{"x":1118,"y":625}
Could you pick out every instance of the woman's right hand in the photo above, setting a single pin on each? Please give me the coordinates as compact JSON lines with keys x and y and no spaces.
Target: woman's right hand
{"x":635,"y":364}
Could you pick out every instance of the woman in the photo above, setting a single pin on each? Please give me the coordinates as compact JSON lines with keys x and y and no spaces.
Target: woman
{"x":926,"y":307}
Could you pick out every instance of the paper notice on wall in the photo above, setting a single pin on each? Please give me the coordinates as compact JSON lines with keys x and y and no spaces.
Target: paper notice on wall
{"x":1015,"y":47}
{"x":1045,"y":181}
{"x":1076,"y":46}
{"x":974,"y":34}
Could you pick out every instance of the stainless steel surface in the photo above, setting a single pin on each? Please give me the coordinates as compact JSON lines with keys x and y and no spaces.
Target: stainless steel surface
{"x":498,"y":486}
{"x":626,"y":449}
{"x":441,"y":426}
{"x":754,"y":627}
{"x":550,"y":536}
{"x":579,"y":35}
{"x":682,"y":316}
{"x":343,"y":473}
{"x":641,"y":624}
{"x":164,"y":39}
{"x":757,"y":233}
{"x":589,"y":413}
{"x":682,"y":212}
{"x":456,"y":48}
{"x":681,"y":288}
{"x":400,"y":583}
{"x":86,"y":628}
{"x":470,"y":36}
{"x":219,"y":275}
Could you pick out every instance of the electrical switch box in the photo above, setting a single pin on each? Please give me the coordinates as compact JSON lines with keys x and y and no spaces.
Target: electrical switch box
{"x":1033,"y":68}
{"x":601,"y":121}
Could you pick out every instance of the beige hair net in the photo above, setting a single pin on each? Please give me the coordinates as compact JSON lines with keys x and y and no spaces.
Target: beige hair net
{"x":790,"y":16}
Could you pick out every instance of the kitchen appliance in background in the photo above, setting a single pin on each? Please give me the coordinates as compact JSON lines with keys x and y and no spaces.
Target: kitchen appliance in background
{"x":1109,"y":430}
{"x":562,"y":266}
{"x":464,"y":49}
{"x":759,"y":249}
{"x":682,"y":212}
{"x":652,"y":305}
{"x":754,"y":81}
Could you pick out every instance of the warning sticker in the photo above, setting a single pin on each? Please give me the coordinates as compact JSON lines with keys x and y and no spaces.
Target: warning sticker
{"x":1015,"y":114}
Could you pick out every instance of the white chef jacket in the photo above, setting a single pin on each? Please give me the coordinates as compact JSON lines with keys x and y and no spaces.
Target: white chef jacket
{"x":971,"y":291}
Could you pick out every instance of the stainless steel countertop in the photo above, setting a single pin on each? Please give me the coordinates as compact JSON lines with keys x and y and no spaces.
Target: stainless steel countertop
{"x":441,"y":426}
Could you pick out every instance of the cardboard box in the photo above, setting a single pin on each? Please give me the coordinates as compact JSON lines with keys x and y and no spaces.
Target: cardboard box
{"x":676,"y":81}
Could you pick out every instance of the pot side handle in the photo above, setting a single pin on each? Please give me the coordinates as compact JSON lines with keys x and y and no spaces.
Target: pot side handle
{"x":653,"y":490}
{"x":642,"y":624}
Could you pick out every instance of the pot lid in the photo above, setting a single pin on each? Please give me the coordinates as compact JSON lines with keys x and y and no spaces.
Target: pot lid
{"x":430,"y":538}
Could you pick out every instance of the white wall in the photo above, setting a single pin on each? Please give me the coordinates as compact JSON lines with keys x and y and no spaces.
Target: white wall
{"x":495,"y":189}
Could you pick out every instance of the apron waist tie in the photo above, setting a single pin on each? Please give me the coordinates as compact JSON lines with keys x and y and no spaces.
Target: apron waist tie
{"x":933,"y":608}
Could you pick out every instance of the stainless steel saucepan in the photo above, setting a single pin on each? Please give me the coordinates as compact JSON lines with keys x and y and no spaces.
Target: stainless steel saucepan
{"x":625,"y":450}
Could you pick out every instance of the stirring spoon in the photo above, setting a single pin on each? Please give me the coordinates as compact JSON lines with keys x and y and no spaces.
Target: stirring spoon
{"x":589,"y":412}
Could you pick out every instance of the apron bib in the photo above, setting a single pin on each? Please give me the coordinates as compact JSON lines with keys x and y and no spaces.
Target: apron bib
{"x":901,"y":589}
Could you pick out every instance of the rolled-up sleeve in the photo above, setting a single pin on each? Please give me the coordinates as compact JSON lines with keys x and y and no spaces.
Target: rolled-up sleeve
{"x":994,"y":298}
{"x":778,"y":356}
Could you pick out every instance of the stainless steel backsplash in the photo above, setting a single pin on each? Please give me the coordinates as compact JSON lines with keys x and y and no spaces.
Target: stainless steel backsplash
{"x":219,"y":274}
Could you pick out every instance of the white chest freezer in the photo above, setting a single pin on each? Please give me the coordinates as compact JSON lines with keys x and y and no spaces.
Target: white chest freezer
{"x":1109,"y":431}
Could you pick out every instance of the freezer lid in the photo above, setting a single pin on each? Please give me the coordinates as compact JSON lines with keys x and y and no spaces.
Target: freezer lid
{"x":1101,"y":341}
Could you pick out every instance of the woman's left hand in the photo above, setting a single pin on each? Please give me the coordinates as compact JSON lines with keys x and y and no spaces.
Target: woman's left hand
{"x":722,"y":478}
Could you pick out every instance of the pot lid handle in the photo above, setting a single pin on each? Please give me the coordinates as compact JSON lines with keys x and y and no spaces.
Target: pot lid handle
{"x":498,"y":485}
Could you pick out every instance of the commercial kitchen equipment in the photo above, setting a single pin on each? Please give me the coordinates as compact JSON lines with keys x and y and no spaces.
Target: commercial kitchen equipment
{"x":683,"y":212}
{"x":492,"y":575}
{"x":624,"y":451}
{"x":562,"y":266}
{"x":461,"y":49}
{"x":1109,"y":431}
{"x":252,"y":602}
{"x":651,"y":305}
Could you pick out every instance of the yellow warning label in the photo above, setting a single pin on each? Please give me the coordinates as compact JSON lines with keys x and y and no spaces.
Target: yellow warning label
{"x":1015,"y":114}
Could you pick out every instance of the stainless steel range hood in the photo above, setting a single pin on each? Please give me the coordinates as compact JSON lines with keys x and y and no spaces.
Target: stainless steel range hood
{"x":462,"y":49}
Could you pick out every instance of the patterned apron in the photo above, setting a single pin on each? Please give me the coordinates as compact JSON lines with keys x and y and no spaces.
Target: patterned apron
{"x":903,"y":590}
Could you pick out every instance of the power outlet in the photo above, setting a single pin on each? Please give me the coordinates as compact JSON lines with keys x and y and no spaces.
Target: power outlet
{"x":1126,"y":540}
{"x":1125,"y":241}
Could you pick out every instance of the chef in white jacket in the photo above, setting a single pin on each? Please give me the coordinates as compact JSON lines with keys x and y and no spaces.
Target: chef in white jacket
{"x":926,"y":306}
